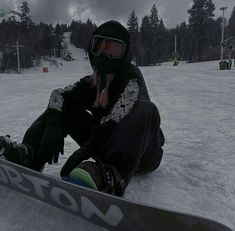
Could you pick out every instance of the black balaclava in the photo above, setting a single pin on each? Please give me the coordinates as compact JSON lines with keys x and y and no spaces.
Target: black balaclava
{"x":102,"y":63}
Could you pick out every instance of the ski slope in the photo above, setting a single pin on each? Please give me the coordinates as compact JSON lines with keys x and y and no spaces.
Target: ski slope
{"x":197,"y":174}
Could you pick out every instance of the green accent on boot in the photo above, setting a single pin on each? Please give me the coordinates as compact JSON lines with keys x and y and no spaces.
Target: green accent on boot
{"x":84,"y":176}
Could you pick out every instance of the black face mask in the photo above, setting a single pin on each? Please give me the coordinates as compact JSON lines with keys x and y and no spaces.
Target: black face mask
{"x":104,"y":65}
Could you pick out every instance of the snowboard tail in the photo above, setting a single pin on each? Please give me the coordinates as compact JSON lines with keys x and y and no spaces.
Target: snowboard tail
{"x":105,"y":210}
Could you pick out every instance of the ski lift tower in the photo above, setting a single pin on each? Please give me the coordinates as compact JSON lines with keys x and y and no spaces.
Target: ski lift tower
{"x":222,"y":62}
{"x":17,"y":46}
{"x":222,"y":36}
{"x":175,"y":61}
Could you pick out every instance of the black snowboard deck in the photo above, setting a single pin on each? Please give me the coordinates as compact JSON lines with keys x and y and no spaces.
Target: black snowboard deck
{"x":110,"y":212}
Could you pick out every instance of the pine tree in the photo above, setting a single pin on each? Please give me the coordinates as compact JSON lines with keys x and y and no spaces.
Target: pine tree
{"x":57,"y":41}
{"x":74,"y":32}
{"x":183,"y":41}
{"x":216,"y":38}
{"x":201,"y":12}
{"x":48,"y":41}
{"x":200,"y":22}
{"x":162,"y":43}
{"x":153,"y":18}
{"x":81,"y":33}
{"x":231,"y":25}
{"x":145,"y":35}
{"x":89,"y":28}
{"x":133,"y":28}
{"x":154,"y":23}
{"x":25,"y":15}
{"x":132,"y":24}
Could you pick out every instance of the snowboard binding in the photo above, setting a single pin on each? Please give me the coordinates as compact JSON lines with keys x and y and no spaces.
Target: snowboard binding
{"x":17,"y":153}
{"x":5,"y":144}
{"x":97,"y":176}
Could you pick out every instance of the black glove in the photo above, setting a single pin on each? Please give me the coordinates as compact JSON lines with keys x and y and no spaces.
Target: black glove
{"x":52,"y":142}
{"x":51,"y":145}
{"x":74,"y":160}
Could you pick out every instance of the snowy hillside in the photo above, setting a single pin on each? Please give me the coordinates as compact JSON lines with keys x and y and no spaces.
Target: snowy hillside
{"x":197,"y":174}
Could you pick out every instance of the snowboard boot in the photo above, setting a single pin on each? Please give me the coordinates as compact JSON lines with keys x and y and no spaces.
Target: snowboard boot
{"x":18,"y":153}
{"x":97,"y":176}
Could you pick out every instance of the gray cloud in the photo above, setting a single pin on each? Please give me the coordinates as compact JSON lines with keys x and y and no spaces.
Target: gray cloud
{"x":63,"y":11}
{"x":50,"y":10}
{"x":6,"y":5}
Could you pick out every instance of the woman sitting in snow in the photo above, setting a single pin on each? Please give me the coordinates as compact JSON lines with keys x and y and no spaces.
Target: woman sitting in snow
{"x":109,"y":114}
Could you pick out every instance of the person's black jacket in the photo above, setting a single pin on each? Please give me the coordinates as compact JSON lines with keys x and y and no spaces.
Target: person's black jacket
{"x":127,"y":87}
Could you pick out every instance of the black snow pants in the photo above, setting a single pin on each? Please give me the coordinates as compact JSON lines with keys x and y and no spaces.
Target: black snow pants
{"x":133,"y":147}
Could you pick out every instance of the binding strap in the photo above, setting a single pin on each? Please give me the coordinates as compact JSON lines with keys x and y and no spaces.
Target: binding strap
{"x":113,"y":181}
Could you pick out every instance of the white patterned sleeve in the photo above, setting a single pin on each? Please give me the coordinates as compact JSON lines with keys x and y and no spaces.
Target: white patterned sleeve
{"x":56,"y":99}
{"x":125,"y":103}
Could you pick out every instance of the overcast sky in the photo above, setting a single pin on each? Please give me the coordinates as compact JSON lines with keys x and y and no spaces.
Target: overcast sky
{"x":63,"y":11}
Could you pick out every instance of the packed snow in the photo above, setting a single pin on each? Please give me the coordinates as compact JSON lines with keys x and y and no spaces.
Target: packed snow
{"x":197,"y":174}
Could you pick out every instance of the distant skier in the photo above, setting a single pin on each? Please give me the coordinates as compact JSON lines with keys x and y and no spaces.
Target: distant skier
{"x":109,"y":114}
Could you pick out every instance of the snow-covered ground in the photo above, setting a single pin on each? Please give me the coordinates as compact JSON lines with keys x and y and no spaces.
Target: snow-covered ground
{"x":197,"y":173}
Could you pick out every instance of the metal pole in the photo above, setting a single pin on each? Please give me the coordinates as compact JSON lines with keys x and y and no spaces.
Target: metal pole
{"x":222,"y":36}
{"x":17,"y":46}
{"x":175,"y":43}
{"x":18,"y":57}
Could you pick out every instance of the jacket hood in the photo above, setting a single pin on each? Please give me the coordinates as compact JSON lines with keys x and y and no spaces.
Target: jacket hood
{"x":115,"y":30}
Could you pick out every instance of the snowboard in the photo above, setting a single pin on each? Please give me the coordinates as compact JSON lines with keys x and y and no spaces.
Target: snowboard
{"x":110,"y":212}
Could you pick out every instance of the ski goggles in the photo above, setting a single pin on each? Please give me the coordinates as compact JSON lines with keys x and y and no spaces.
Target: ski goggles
{"x":113,"y":48}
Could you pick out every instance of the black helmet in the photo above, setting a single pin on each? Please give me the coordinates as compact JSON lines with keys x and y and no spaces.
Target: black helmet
{"x":102,"y":60}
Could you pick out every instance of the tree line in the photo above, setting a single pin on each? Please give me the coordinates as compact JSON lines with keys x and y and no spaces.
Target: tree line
{"x":152,"y":42}
{"x":197,"y":40}
{"x":35,"y":40}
